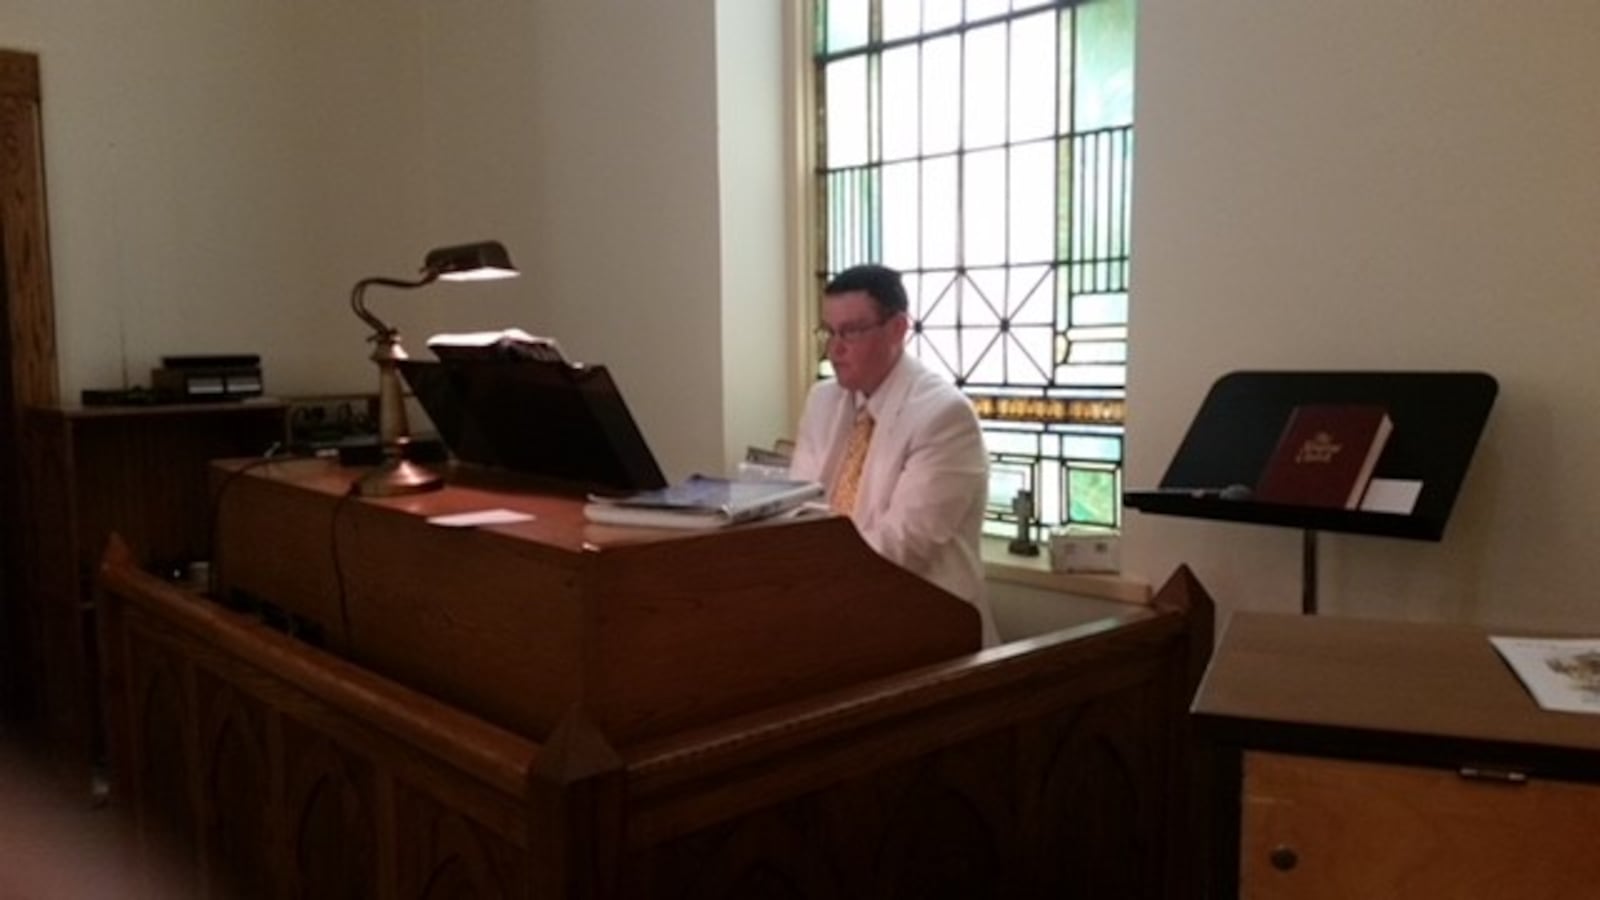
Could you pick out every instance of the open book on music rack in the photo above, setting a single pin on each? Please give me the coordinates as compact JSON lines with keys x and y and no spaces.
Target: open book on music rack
{"x":701,"y":502}
{"x":508,"y":343}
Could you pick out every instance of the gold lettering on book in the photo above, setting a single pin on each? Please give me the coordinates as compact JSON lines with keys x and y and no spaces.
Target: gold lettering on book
{"x":1320,"y":448}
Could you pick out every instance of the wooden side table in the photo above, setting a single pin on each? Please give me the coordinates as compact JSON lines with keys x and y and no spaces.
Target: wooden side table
{"x":1355,"y":758}
{"x":138,"y":471}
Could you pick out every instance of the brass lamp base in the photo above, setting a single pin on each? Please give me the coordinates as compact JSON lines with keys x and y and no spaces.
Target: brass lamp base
{"x":397,"y":478}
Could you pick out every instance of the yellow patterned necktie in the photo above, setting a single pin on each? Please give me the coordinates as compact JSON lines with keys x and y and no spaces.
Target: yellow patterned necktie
{"x":855,"y":455}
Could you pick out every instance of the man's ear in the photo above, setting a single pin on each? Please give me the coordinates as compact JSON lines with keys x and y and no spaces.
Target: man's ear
{"x":899,"y":325}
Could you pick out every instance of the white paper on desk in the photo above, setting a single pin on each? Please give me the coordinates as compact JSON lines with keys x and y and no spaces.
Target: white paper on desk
{"x":1391,"y":495}
{"x":1562,"y":674}
{"x":481,"y":517}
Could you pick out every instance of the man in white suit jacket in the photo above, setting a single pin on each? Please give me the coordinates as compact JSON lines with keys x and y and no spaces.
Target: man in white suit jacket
{"x":925,"y":478}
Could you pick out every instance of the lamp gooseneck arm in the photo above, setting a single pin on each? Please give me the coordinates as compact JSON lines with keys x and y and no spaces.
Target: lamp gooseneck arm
{"x":379,"y":328}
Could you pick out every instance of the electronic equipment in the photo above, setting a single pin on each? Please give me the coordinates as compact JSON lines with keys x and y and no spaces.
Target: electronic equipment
{"x":200,"y":378}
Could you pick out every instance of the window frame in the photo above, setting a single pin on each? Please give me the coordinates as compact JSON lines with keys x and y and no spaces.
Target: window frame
{"x":807,"y":264}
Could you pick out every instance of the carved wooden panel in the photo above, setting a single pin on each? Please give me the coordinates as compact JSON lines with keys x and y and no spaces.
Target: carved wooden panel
{"x":1096,"y":828}
{"x":164,"y":804}
{"x":1069,"y":806}
{"x":331,"y":819}
{"x":448,"y":856}
{"x":239,"y":792}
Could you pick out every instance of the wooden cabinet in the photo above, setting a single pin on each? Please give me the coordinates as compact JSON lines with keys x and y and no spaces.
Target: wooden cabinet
{"x":1385,"y":759}
{"x":138,"y":471}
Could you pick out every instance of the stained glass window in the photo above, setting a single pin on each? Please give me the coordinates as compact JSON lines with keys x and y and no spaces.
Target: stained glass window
{"x":984,"y":148}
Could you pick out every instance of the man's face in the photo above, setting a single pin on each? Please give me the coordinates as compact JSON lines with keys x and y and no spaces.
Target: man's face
{"x":864,"y":345}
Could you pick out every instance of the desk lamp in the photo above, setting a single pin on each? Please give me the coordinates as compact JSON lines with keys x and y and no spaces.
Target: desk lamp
{"x":396,"y":475}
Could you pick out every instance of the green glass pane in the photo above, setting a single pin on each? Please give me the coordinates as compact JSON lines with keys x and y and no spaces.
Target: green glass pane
{"x":1015,"y":443}
{"x":1033,"y":81}
{"x":1064,"y":77}
{"x":1065,"y":184}
{"x":1099,"y":309}
{"x":1092,"y":496}
{"x":1091,"y":447}
{"x":846,"y":23}
{"x":1105,"y":64}
{"x":853,"y":231}
{"x":1100,"y":212}
{"x":846,"y":84}
{"x":984,"y":110}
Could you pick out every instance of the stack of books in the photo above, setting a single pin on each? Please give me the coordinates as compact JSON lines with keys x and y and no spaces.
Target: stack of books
{"x":702,"y":502}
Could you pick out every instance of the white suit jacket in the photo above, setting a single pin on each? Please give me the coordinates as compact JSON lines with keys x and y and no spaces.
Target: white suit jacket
{"x":925,"y":481}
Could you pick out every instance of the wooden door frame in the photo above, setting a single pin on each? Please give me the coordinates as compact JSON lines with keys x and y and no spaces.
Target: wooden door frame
{"x":28,"y":370}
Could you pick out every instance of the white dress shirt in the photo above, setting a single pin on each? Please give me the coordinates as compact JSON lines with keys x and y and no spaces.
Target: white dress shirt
{"x":925,"y":482}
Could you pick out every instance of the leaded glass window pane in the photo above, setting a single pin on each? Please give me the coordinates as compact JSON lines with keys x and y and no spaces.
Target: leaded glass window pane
{"x":984,"y":148}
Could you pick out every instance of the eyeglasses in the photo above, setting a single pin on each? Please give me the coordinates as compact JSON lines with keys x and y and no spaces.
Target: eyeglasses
{"x":849,"y":334}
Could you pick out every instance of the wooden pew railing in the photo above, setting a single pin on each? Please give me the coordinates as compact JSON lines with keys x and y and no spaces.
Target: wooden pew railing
{"x":1055,"y":766}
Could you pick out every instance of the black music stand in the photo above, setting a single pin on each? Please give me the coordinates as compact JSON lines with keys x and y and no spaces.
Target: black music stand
{"x":557,"y":421}
{"x":1438,"y":418}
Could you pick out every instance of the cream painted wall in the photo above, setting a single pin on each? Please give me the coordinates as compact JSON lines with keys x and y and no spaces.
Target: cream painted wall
{"x":213,"y":178}
{"x":220,"y":175}
{"x":1373,"y":185}
{"x":751,"y":121}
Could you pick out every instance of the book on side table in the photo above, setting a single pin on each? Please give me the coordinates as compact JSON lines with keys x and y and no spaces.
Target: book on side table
{"x":1325,"y":455}
{"x":701,"y":502}
{"x":1562,"y":674}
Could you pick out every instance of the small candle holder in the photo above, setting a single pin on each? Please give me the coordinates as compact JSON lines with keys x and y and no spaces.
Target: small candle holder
{"x":1023,"y":544}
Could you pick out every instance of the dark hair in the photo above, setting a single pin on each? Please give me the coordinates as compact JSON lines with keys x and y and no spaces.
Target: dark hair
{"x":881,"y":283}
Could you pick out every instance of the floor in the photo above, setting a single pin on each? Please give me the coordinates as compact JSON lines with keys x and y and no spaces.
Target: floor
{"x":55,"y":841}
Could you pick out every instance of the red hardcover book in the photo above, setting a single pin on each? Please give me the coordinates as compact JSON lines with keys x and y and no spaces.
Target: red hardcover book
{"x":1325,"y":455}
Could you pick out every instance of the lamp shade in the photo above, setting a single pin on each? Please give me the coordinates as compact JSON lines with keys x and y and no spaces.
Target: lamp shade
{"x":482,"y":261}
